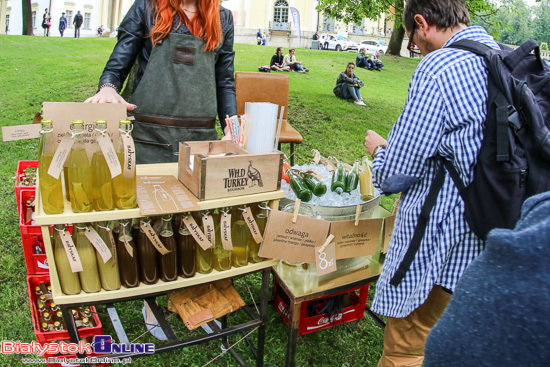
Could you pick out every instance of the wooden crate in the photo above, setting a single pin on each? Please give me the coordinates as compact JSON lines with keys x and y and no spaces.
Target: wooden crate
{"x":209,"y":176}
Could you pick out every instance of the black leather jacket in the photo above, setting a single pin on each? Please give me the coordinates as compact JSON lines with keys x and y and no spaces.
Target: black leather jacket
{"x":133,"y":40}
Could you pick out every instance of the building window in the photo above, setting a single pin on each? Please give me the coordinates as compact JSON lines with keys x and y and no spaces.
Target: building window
{"x":87,"y":18}
{"x":34,"y":19}
{"x":359,"y":29}
{"x":69,"y":16}
{"x":280,"y":15}
{"x":328,"y":24}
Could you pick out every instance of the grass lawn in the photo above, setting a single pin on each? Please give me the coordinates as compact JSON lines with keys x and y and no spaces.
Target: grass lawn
{"x":38,"y":69}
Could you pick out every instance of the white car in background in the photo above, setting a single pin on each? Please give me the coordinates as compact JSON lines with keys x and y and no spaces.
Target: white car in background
{"x":371,"y":46}
{"x":338,"y":43}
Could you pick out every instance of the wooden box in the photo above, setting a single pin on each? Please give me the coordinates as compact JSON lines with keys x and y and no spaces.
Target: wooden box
{"x":221,"y":169}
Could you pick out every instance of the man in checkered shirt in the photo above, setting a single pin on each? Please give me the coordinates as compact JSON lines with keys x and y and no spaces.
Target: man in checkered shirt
{"x":443,"y":115}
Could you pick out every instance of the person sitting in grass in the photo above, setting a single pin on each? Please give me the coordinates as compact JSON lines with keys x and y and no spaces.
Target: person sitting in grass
{"x":376,"y":60}
{"x":362,"y":60}
{"x":348,"y":85}
{"x":277,"y":61}
{"x":295,"y":65}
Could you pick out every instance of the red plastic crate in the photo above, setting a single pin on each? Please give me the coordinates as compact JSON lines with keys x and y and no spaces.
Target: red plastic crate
{"x":25,"y":225}
{"x":21,"y":166}
{"x":36,"y":263}
{"x":45,"y":337}
{"x":310,"y":324}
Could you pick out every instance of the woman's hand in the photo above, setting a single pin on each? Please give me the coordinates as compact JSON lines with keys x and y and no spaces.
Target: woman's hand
{"x":227,"y":134}
{"x":109,"y":95}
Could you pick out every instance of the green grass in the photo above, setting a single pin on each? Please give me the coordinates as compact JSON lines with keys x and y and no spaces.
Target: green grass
{"x":37,"y":69}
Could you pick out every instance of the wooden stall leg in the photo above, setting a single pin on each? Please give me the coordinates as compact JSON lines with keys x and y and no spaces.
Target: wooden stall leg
{"x":263,"y":316}
{"x":294,"y":321}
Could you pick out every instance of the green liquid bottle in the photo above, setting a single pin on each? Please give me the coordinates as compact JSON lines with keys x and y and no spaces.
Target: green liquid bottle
{"x":338,"y":179}
{"x":262,"y":212}
{"x":102,"y":186}
{"x":80,"y":172}
{"x":70,"y":283}
{"x":240,"y":237}
{"x":352,"y":178}
{"x":50,"y":188}
{"x":299,"y":187}
{"x":314,"y":184}
{"x":222,"y":258}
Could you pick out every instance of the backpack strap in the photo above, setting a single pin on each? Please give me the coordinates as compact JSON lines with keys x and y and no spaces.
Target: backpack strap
{"x":515,"y":57}
{"x":475,"y":47}
{"x":420,"y":229}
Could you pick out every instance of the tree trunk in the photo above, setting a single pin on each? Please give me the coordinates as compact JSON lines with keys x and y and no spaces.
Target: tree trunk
{"x":27,"y":18}
{"x":396,"y":40}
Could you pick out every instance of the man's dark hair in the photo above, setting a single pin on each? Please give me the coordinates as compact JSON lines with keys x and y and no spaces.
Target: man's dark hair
{"x":278,"y":49}
{"x":441,"y":13}
{"x":290,"y":50}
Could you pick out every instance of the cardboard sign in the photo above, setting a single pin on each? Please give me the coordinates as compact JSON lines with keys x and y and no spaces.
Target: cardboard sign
{"x":163,"y":194}
{"x":225,"y":230}
{"x":70,"y":250}
{"x":293,"y":241}
{"x":109,"y":153}
{"x":388,"y":229}
{"x":20,"y":132}
{"x":62,"y":115}
{"x":352,"y":240}
{"x":96,"y":241}
{"x":325,"y":260}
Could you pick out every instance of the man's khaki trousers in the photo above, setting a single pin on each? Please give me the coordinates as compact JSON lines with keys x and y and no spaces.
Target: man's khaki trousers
{"x":404,"y":338}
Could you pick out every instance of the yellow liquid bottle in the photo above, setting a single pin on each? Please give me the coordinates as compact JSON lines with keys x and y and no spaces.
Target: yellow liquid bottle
{"x":50,"y":187}
{"x":102,"y":186}
{"x":80,"y":172}
{"x":222,"y":258}
{"x":240,"y":237}
{"x":204,"y":258}
{"x":262,"y":212}
{"x":70,"y":283}
{"x":108,"y":271}
{"x":124,"y":188}
{"x":365,"y":181}
{"x":89,"y":276}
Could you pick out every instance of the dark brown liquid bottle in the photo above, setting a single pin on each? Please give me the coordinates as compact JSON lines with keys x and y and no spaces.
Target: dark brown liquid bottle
{"x":148,"y":256}
{"x":186,"y":251}
{"x":127,"y":264}
{"x":168,"y":262}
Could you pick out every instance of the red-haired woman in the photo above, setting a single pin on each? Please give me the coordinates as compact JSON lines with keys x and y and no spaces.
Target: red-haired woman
{"x":184,"y":76}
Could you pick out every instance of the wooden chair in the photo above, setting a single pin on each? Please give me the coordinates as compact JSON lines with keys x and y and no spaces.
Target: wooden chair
{"x":264,"y":87}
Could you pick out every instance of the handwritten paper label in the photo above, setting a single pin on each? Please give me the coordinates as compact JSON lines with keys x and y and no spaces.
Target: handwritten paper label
{"x":152,"y":235}
{"x":209,"y":229}
{"x":127,"y":245}
{"x":388,"y":229}
{"x":113,"y":247}
{"x":61,"y":154}
{"x":70,"y":249}
{"x":252,"y":225}
{"x":317,"y":157}
{"x":225,"y":229}
{"x":325,"y":260}
{"x":352,"y":240}
{"x":109,"y":153}
{"x":20,"y":132}
{"x":96,"y":241}
{"x":196,"y":232}
{"x":129,"y":156}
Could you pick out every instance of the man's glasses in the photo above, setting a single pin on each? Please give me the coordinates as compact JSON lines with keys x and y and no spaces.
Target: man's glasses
{"x":411,"y":46}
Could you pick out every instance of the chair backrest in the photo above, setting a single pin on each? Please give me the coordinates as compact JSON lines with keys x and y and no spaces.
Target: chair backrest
{"x":261,"y":87}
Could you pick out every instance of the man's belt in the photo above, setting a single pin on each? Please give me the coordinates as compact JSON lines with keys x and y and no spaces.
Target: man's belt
{"x":192,"y":123}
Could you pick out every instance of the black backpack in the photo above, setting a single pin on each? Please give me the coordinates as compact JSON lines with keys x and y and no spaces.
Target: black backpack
{"x":514,"y":160}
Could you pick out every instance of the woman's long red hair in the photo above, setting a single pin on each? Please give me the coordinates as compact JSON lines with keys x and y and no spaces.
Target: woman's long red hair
{"x":206,"y":23}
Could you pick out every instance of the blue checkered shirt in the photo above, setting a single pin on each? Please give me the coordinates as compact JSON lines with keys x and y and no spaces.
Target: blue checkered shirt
{"x":443,"y":114}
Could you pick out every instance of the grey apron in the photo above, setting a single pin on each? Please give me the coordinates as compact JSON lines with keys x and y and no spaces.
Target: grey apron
{"x":176,"y":99}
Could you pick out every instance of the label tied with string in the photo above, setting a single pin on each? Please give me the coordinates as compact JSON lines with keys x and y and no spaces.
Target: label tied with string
{"x":225,"y":229}
{"x":209,"y":229}
{"x":316,"y":157}
{"x":113,"y":246}
{"x":325,"y":257}
{"x":96,"y":241}
{"x":128,"y":247}
{"x":129,"y":156}
{"x":314,"y":173}
{"x":60,"y":156}
{"x":70,"y":250}
{"x":152,"y":235}
{"x":109,"y":153}
{"x":252,"y":225}
{"x":196,"y":232}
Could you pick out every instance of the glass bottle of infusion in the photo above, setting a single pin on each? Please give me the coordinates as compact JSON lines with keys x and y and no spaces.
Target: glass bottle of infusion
{"x":102,"y":186}
{"x":124,"y":187}
{"x":89,"y":276}
{"x":70,"y":283}
{"x":222,"y":257}
{"x":50,"y":187}
{"x":80,"y":172}
{"x":240,"y":236}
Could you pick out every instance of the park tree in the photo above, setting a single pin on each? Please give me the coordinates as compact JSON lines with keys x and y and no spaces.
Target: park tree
{"x":355,"y":10}
{"x":541,"y":22}
{"x":27,"y":18}
{"x":512,"y":23}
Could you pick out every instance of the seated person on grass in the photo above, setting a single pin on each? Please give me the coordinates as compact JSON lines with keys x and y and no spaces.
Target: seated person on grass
{"x":362,"y":60}
{"x":348,"y":85}
{"x":295,"y":65}
{"x":376,"y":60}
{"x":277,"y":61}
